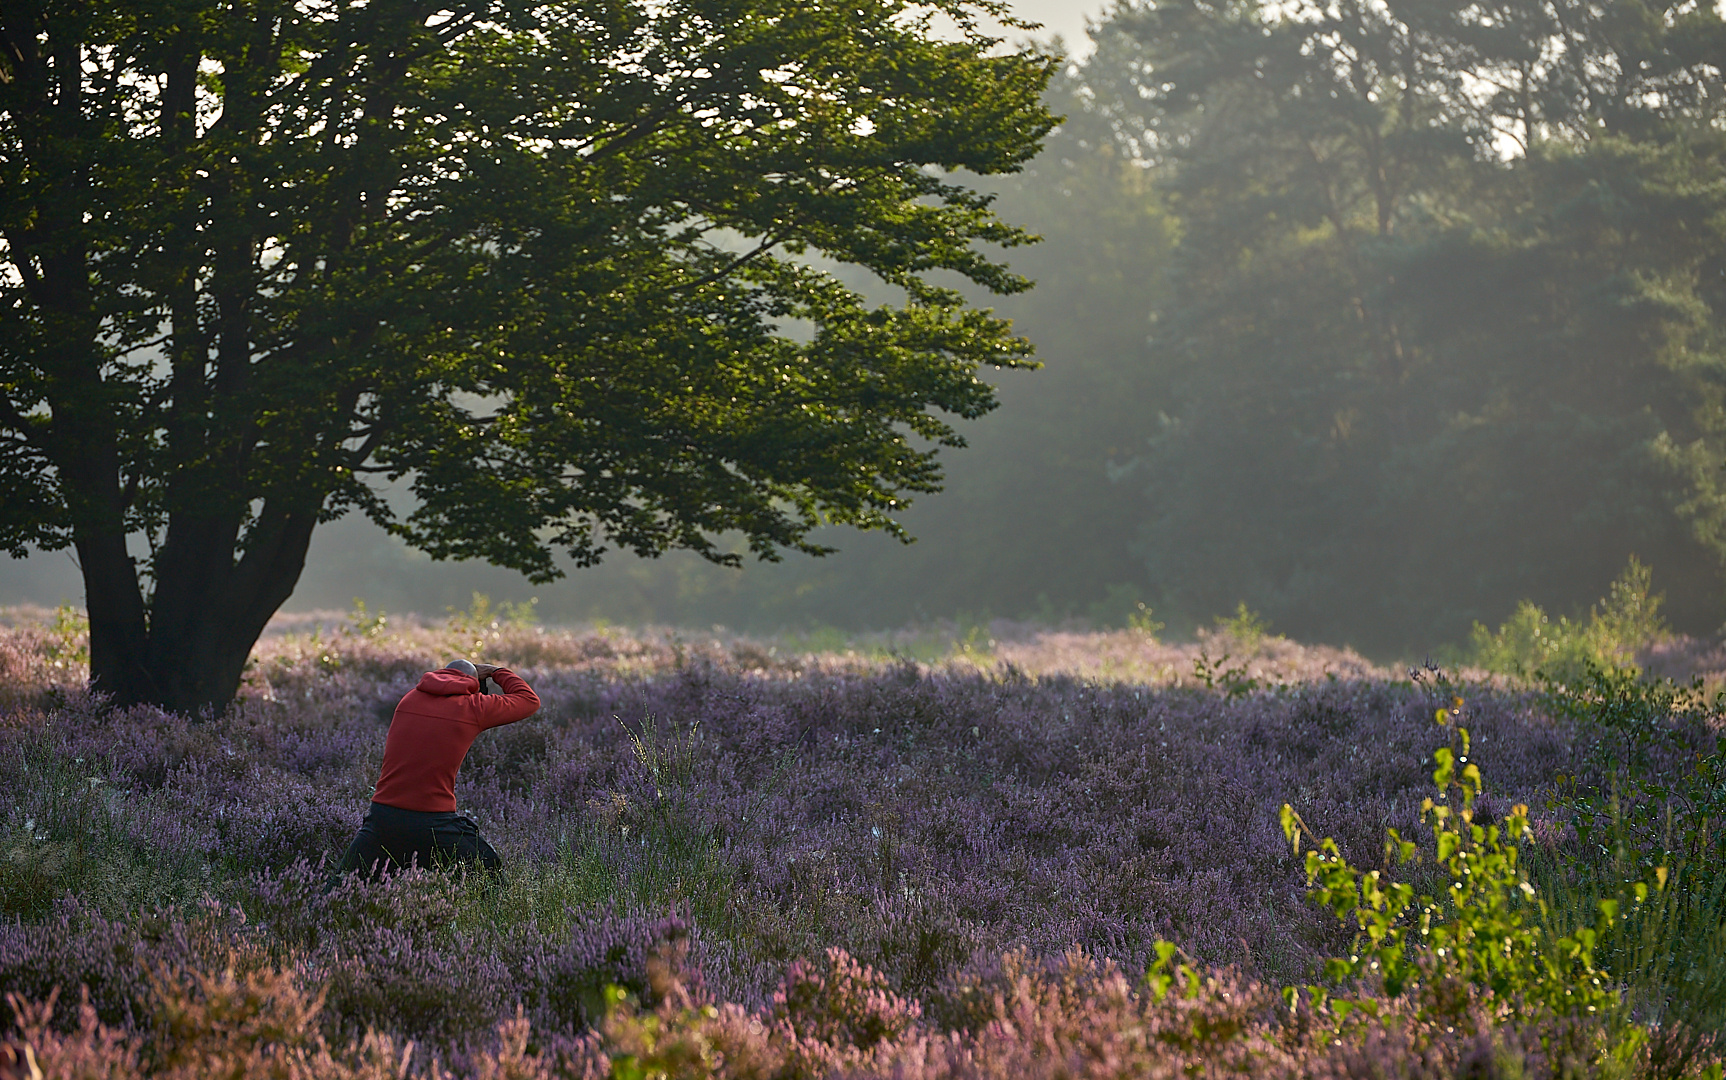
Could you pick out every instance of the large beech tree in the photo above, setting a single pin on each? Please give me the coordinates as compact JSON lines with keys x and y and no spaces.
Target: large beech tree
{"x":549,"y":261}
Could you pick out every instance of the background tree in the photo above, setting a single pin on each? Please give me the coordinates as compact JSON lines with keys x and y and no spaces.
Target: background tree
{"x":543,"y":260}
{"x":1447,"y":305}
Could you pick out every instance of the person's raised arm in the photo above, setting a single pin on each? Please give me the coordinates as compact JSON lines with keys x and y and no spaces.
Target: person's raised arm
{"x":516,"y":702}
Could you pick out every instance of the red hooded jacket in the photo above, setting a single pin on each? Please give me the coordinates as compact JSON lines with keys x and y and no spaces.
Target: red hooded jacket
{"x":433,"y":727}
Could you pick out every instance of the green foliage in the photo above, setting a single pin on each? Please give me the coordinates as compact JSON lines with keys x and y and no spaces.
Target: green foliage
{"x":826,"y":639}
{"x":364,"y":623}
{"x":1216,"y":674}
{"x":68,"y":638}
{"x":1246,"y":628}
{"x":1650,"y":839}
{"x":1663,"y":953}
{"x":1030,"y":525}
{"x":1625,"y":622}
{"x":1123,"y":604}
{"x":482,"y":622}
{"x":648,"y":1045}
{"x":974,"y":644}
{"x":1629,"y":619}
{"x":1634,"y":730}
{"x":1164,"y":972}
{"x":1142,"y":621}
{"x":1244,"y":631}
{"x":1529,"y":641}
{"x":1486,"y":928}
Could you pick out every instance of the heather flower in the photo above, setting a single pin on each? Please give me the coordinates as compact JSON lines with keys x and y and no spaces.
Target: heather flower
{"x":870,"y":865}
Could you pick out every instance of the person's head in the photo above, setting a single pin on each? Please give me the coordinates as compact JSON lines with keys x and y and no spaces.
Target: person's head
{"x":464,"y":666}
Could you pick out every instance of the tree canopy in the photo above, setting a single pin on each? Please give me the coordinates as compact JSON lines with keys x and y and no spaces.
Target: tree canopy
{"x":548,"y":261}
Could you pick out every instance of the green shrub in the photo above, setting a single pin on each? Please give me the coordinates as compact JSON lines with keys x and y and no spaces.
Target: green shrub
{"x":68,"y":641}
{"x":472,"y":630}
{"x":1246,"y":628}
{"x":1626,"y":621}
{"x":1485,"y":931}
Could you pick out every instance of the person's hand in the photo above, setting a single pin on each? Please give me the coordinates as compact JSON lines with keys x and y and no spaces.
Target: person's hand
{"x":484,"y":670}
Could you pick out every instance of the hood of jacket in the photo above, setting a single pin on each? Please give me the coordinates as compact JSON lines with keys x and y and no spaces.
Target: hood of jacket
{"x":447,"y":683}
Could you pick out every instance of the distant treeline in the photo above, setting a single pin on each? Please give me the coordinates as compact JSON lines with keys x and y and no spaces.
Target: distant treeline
{"x":1379,"y":317}
{"x":1439,"y":323}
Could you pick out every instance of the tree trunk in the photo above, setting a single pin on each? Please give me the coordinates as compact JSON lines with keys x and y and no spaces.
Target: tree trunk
{"x":119,"y":640}
{"x":209,"y":610}
{"x":86,"y":451}
{"x":190,"y":656}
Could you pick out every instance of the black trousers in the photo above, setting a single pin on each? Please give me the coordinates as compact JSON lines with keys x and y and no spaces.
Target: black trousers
{"x":392,"y":838}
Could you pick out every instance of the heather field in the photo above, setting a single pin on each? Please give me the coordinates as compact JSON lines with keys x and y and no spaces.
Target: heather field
{"x":949,"y":852}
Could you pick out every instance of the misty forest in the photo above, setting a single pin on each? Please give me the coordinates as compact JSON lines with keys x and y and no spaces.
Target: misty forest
{"x":1200,"y":554}
{"x":1380,"y":324}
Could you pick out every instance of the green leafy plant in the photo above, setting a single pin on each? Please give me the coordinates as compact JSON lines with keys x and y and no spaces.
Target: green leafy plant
{"x":1142,"y":621}
{"x":1629,"y":618}
{"x":1164,"y":972}
{"x":68,"y":642}
{"x":1633,"y":730}
{"x":1530,"y":641}
{"x":1216,"y":674}
{"x":482,"y":621}
{"x":364,"y":623}
{"x":1122,"y":605}
{"x":1486,"y":929}
{"x":974,"y":645}
{"x":521,"y":614}
{"x":654,"y":1045}
{"x":1246,"y":628}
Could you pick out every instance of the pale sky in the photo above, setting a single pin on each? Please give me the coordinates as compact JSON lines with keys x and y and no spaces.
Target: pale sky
{"x":1063,"y":17}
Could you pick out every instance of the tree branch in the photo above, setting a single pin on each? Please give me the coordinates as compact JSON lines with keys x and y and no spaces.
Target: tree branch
{"x":360,"y":453}
{"x":130,"y":349}
{"x":729,"y":268}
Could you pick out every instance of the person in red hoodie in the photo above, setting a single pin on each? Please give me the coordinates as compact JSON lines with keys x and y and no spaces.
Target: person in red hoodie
{"x":412,"y":819}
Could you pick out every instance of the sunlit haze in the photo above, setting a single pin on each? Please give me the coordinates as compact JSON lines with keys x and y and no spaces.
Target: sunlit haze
{"x":1062,"y":17}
